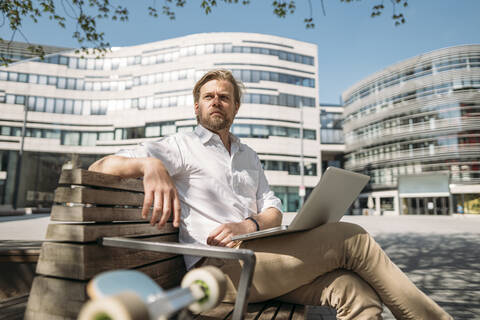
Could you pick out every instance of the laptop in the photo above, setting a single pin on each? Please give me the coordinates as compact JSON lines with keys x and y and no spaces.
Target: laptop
{"x":328,"y":202}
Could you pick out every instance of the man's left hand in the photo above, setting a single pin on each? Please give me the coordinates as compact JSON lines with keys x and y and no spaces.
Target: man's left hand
{"x":222,"y":235}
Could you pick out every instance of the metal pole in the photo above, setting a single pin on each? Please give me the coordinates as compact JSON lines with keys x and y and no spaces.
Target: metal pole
{"x":301,"y":190}
{"x":20,"y":156}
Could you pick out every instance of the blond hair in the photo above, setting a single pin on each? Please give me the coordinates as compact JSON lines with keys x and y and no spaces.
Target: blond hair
{"x":220,"y":74}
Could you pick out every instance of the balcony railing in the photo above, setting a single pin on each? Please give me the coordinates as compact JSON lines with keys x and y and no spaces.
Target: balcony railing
{"x":428,"y":153}
{"x":442,"y":126}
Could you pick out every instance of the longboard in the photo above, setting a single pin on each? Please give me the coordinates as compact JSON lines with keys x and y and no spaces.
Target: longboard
{"x":132,"y":295}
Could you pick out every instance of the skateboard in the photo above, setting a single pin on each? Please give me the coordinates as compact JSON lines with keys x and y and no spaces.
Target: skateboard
{"x":131,"y":295}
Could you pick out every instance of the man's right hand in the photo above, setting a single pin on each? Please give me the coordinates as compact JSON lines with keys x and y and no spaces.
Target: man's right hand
{"x":160,"y":192}
{"x":158,"y":186}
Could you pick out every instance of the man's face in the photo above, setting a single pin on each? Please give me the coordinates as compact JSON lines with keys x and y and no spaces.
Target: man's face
{"x":216,"y":107}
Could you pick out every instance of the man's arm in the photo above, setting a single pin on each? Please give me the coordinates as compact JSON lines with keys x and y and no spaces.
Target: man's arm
{"x":222,"y":236}
{"x":157,"y":184}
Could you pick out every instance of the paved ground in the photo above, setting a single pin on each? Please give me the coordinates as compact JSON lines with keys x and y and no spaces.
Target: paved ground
{"x":441,"y":255}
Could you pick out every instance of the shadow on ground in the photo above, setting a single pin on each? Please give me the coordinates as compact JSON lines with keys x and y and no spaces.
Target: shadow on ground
{"x":445,"y":267}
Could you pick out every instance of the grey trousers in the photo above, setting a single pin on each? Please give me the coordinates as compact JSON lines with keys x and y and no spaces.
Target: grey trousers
{"x":339,"y":265}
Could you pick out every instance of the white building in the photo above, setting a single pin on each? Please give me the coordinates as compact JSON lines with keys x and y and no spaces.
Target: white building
{"x":414,"y":127}
{"x":84,"y":108}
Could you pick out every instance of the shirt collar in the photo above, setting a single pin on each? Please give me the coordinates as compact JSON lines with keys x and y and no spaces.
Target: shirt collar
{"x":205,"y":135}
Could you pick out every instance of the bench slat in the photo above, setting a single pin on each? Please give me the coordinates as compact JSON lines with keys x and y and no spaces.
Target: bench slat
{"x":98,"y":214}
{"x":97,"y":196}
{"x":270,"y":310}
{"x":253,"y":310}
{"x":167,"y":273}
{"x":222,"y":311}
{"x":52,"y":298}
{"x":91,"y":232}
{"x":298,"y":313}
{"x":97,"y":179}
{"x":83,"y":261}
{"x":285,"y":312}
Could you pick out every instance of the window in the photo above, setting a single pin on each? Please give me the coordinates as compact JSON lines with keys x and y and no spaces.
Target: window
{"x":106,"y":136}
{"x":168,"y":129}
{"x":51,"y":134}
{"x":5,"y":131}
{"x":71,"y":83}
{"x":82,"y":63}
{"x":293,"y":132}
{"x":88,"y":138}
{"x":12,"y":76}
{"x":68,"y":106}
{"x":42,"y":79}
{"x":279,"y":131}
{"x":72,"y":63}
{"x":241,"y":130}
{"x":50,"y":105}
{"x":70,"y":138}
{"x":36,"y":133}
{"x":309,"y":134}
{"x":31,"y":103}
{"x":80,"y":84}
{"x":259,"y":131}
{"x":10,"y":99}
{"x":59,"y":105}
{"x":40,"y":104}
{"x":63,"y":60}
{"x":152,"y":130}
{"x":16,"y":131}
{"x":62,"y":83}
{"x":19,"y":99}
{"x":118,"y":134}
{"x":186,"y":129}
{"x":52,"y":80}
{"x":22,"y":77}
{"x":77,"y":107}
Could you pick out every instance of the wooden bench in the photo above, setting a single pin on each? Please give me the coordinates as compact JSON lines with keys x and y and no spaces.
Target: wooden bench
{"x":90,"y":206}
{"x":17,"y":268}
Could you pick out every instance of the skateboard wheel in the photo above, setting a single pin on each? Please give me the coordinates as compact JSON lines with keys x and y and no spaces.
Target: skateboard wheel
{"x":123,"y":306}
{"x":211,"y":281}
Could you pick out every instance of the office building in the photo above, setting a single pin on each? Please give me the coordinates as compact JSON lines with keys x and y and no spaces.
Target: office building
{"x":414,"y":127}
{"x":73,"y":109}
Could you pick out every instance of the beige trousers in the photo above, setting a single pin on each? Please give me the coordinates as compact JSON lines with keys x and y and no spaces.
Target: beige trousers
{"x":339,"y":265}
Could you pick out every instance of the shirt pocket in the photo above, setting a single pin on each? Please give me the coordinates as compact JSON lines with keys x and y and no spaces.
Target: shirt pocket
{"x":247,"y":183}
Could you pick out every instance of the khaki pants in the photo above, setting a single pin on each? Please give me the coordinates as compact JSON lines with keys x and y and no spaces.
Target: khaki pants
{"x":339,"y":265}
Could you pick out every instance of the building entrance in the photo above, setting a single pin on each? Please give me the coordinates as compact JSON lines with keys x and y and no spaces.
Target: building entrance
{"x":426,"y":206}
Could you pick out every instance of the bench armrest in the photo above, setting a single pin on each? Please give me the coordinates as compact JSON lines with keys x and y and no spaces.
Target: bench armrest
{"x":245,"y":255}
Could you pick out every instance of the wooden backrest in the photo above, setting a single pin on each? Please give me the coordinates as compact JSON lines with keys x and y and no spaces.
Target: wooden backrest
{"x":90,"y":205}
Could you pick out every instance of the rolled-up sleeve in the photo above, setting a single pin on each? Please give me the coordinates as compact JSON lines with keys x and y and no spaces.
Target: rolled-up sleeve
{"x":165,"y":149}
{"x":265,"y":197}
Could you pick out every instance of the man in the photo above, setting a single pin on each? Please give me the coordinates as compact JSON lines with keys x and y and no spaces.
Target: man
{"x":215,"y":188}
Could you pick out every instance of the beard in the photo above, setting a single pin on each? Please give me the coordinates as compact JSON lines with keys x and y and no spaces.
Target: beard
{"x":214,"y":122}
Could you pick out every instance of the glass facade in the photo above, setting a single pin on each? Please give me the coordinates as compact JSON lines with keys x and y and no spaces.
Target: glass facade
{"x":172,"y":54}
{"x":102,"y":107}
{"x":415,"y":118}
{"x":331,"y":128}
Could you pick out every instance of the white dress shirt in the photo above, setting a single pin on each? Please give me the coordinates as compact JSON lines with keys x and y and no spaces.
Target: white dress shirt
{"x":214,"y":187}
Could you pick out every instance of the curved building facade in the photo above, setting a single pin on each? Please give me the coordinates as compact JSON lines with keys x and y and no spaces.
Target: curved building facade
{"x":414,"y":127}
{"x":79,"y":109}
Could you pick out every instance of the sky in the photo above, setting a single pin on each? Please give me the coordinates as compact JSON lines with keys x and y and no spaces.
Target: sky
{"x":351,"y":45}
